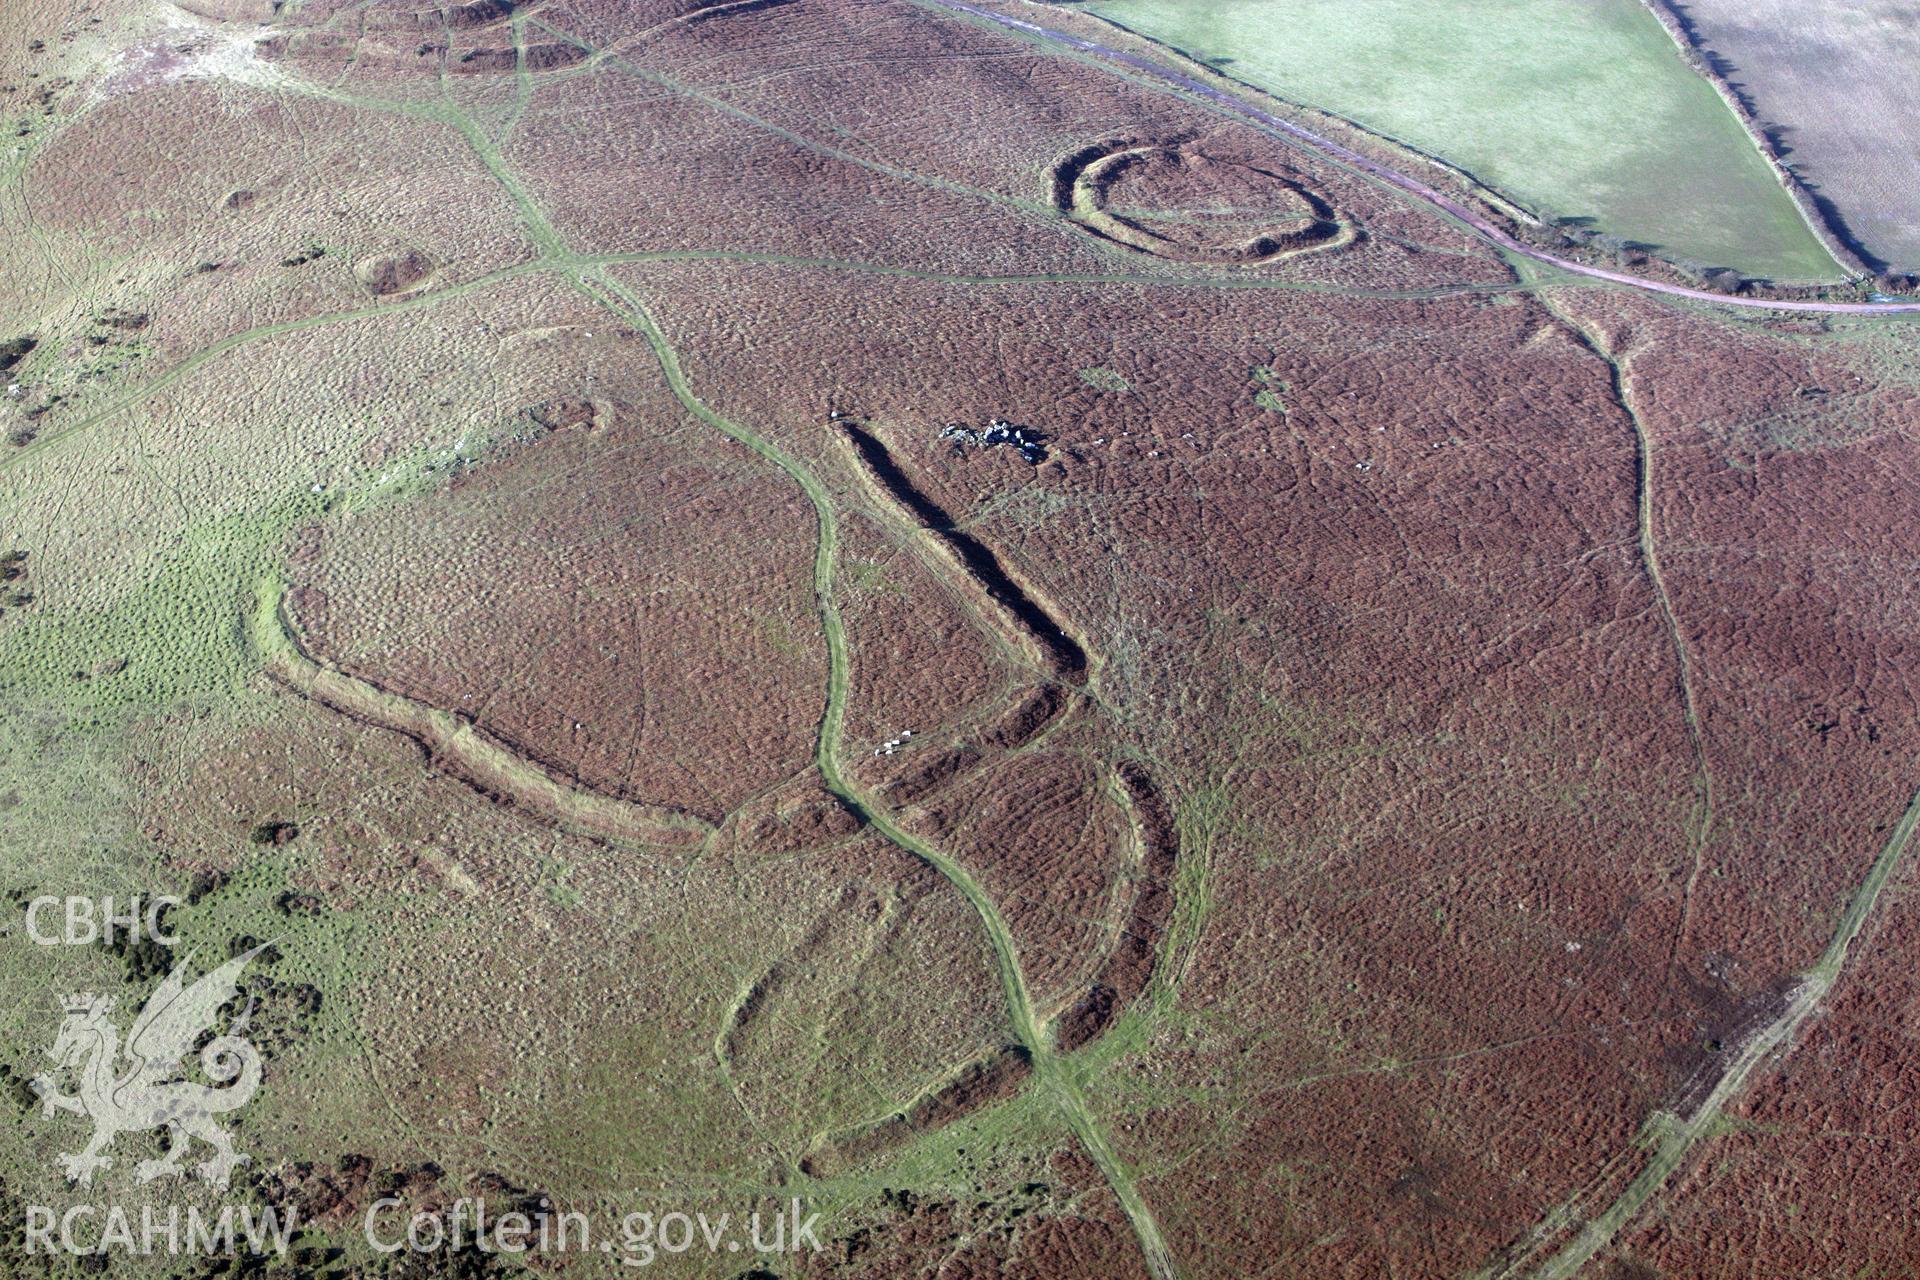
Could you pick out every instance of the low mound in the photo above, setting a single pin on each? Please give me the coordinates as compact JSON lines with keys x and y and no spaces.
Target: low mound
{"x":569,"y":411}
{"x":387,"y":274}
{"x":1180,"y":203}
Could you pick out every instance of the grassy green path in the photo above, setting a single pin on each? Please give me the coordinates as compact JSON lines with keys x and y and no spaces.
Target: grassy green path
{"x":1670,"y":1138}
{"x":1051,"y":1074}
{"x":1054,"y":1080}
{"x":593,"y":280}
{"x":1620,"y":380}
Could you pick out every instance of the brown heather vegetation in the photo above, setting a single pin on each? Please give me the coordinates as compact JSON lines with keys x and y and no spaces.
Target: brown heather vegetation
{"x":1407,"y":732}
{"x":481,"y":603}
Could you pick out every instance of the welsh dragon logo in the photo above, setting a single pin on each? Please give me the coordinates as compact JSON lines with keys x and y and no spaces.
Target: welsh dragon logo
{"x":143,"y":1086}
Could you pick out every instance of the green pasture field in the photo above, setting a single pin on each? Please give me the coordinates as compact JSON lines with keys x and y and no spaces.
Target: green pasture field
{"x":1574,"y":108}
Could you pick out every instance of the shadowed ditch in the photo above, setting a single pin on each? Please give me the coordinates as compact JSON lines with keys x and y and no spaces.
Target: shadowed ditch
{"x":995,"y":1077}
{"x":1066,"y":654}
{"x":1124,"y":976}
